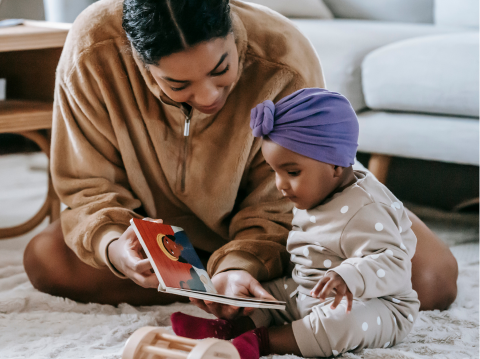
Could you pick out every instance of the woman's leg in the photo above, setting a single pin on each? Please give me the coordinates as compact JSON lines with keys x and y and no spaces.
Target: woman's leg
{"x":434,"y":269}
{"x":54,"y":268}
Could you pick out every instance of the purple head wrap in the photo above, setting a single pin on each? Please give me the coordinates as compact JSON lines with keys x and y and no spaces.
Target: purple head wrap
{"x":313,"y":122}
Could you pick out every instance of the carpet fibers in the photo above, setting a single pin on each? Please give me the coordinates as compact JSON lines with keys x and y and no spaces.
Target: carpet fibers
{"x":37,"y":325}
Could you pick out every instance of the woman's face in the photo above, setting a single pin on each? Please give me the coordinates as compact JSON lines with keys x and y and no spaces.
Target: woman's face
{"x":200,"y":76}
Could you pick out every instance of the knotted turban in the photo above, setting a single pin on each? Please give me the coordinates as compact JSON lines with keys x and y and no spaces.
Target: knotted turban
{"x":313,"y":122}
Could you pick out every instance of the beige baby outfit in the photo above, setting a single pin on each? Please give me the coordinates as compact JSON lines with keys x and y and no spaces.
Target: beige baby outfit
{"x":363,"y":233}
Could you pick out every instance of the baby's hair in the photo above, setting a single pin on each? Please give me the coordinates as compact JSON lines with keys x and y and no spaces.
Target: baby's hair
{"x":171,"y":237}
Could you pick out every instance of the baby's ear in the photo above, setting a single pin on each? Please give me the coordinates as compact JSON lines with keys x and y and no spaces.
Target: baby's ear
{"x":338,"y":171}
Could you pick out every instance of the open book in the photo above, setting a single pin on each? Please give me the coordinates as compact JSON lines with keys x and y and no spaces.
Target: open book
{"x":178,"y":268}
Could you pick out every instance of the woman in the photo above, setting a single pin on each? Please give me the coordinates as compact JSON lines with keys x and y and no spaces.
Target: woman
{"x":151,"y":117}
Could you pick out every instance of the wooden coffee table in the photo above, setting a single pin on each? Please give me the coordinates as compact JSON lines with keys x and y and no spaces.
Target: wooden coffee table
{"x":29,"y":55}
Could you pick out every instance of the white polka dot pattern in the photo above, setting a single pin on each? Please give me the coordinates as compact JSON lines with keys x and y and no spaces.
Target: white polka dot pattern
{"x":375,"y":256}
{"x":379,"y":321}
{"x":400,"y":229}
{"x":313,"y":219}
{"x":306,"y":252}
{"x":285,"y":286}
{"x":334,"y":352}
{"x":410,"y":318}
{"x":396,"y":205}
{"x":344,"y":209}
{"x":327,"y":263}
{"x":389,"y":252}
{"x":387,"y":344}
{"x":294,"y":210}
{"x":358,"y":253}
{"x":379,"y":227}
{"x":403,"y":246}
{"x":302,"y":296}
{"x":395,"y":320}
{"x":365,"y":326}
{"x":395,"y":300}
{"x":381,"y":273}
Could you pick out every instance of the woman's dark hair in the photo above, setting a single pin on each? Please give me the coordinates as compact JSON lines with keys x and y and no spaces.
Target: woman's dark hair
{"x":158,"y":28}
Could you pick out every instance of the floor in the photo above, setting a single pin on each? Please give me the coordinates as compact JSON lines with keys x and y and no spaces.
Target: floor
{"x":33,"y":324}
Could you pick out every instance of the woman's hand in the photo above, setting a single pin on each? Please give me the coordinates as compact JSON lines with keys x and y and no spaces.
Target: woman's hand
{"x":233,"y":283}
{"x":126,"y":256}
{"x":327,"y":284}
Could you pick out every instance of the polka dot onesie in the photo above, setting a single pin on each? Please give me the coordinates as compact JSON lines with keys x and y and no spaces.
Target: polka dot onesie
{"x":363,"y":233}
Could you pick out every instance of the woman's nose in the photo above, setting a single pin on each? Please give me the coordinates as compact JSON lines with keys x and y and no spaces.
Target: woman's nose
{"x":207,"y":95}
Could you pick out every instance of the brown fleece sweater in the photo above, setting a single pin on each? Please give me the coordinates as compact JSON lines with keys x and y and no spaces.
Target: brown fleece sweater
{"x":119,"y":144}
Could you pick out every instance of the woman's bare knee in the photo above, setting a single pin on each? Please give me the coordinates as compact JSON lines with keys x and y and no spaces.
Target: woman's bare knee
{"x":437,"y":286}
{"x":43,"y":260}
{"x":434,"y":269}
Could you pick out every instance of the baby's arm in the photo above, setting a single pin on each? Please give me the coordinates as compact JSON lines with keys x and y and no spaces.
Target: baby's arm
{"x":378,"y":257}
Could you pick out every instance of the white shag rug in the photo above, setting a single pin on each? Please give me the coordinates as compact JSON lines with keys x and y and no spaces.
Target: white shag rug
{"x":37,"y":325}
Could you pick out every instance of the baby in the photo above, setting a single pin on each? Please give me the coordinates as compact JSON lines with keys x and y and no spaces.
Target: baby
{"x":351,"y":243}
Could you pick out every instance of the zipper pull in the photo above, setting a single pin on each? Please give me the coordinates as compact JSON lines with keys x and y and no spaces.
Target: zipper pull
{"x":186,"y":130}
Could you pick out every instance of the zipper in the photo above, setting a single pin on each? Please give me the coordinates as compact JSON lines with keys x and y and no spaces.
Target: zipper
{"x":186,"y":134}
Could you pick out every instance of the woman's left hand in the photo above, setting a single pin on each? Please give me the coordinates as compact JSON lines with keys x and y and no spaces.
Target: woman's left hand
{"x":233,"y":283}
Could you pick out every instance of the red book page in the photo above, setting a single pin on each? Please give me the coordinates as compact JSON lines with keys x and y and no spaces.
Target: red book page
{"x":172,"y":272}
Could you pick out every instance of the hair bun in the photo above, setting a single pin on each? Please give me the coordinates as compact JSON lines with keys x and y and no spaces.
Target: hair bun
{"x":261,"y":118}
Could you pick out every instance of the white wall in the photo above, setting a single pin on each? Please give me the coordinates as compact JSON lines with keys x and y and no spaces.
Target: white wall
{"x":22,"y":9}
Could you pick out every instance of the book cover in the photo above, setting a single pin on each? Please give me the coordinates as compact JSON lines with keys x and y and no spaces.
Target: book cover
{"x":178,"y":268}
{"x":173,"y":257}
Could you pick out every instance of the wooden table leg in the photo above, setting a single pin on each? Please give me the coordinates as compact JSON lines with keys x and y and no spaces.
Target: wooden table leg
{"x":379,"y":165}
{"x":51,"y":206}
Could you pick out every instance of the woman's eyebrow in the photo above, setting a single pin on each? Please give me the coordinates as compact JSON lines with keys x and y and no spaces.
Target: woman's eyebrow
{"x":186,"y":81}
{"x":219,"y":62}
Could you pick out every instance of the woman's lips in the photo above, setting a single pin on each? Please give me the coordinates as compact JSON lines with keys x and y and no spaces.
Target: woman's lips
{"x":210,"y":109}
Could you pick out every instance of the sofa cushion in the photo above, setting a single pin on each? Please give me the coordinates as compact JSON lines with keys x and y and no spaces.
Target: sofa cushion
{"x":433,"y":74}
{"x":298,"y":8}
{"x":428,"y":137}
{"x":342,"y":45}
{"x":384,"y":10}
{"x":456,"y":13}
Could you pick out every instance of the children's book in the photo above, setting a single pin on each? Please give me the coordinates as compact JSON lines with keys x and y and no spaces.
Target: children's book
{"x":178,"y":268}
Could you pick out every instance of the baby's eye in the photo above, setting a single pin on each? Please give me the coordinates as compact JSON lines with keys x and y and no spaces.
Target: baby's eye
{"x":294,"y":173}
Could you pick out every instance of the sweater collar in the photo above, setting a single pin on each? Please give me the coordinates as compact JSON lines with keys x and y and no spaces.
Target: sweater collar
{"x":241,"y":42}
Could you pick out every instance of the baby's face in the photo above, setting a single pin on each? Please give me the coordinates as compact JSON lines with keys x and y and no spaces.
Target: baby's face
{"x":304,"y":181}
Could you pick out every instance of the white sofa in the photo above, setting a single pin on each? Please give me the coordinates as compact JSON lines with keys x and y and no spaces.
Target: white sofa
{"x":409,"y":68}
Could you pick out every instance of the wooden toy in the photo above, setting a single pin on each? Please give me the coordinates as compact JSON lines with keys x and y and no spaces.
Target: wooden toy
{"x":156,"y":343}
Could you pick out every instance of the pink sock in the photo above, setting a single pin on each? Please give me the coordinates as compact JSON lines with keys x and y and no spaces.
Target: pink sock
{"x":188,"y":326}
{"x":253,"y":344}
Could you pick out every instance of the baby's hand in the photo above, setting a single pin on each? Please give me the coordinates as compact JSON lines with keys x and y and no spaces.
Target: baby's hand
{"x":328,"y":283}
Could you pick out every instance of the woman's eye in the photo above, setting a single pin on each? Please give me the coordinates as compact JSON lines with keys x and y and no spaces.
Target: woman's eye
{"x":177,"y":88}
{"x":222,"y":72}
{"x":294,"y":173}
